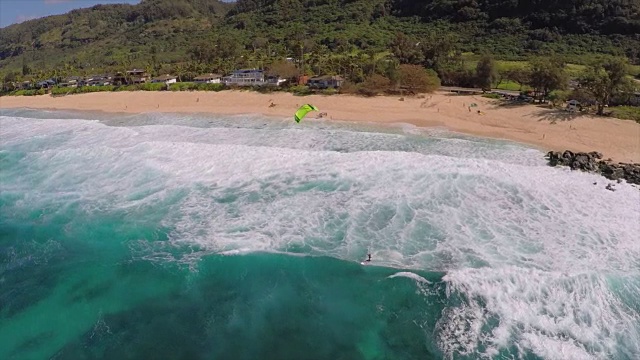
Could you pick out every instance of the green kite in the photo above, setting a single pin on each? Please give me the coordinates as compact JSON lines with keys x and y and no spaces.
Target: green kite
{"x":303,"y":110}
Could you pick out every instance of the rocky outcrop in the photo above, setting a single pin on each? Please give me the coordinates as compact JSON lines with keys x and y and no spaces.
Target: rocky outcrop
{"x":592,"y":162}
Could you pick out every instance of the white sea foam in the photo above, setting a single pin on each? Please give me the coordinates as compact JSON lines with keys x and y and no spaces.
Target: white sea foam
{"x":553,"y":314}
{"x":410,"y":275}
{"x":532,"y":249}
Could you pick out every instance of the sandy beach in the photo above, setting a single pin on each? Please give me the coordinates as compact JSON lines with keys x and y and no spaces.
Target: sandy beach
{"x":538,"y":126}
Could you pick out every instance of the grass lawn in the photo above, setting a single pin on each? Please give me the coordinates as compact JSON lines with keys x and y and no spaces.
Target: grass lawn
{"x":504,"y":65}
{"x":574,"y":70}
{"x":512,"y":86}
{"x":626,"y":112}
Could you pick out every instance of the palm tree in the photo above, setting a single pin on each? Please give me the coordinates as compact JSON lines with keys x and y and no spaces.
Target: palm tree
{"x":250,"y":59}
{"x":320,"y":59}
{"x":40,"y":75}
{"x":334,"y":65}
{"x":54,"y":74}
{"x":217,"y":65}
{"x":261,"y":58}
{"x":180,"y":70}
{"x":194,"y":69}
{"x":149,"y":69}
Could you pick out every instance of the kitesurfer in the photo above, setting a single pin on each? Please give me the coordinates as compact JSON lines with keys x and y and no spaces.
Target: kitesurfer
{"x":369,"y":259}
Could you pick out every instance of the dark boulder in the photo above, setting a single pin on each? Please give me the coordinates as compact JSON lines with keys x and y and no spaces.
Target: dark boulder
{"x":592,"y":162}
{"x":596,"y":154}
{"x":567,"y":155}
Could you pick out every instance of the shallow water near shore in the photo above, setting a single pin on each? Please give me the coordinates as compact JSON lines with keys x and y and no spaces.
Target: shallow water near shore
{"x":241,"y":237}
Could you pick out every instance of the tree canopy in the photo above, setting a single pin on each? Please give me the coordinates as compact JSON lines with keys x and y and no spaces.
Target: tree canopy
{"x":605,"y":79}
{"x":353,"y":37}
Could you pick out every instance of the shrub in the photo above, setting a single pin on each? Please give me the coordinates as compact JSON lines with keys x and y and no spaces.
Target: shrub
{"x":416,"y":79}
{"x":558,"y":97}
{"x":349,"y":87}
{"x":265,"y":89}
{"x":458,"y":77}
{"x":153,"y":86}
{"x":90,"y":89}
{"x":211,"y":87}
{"x":300,"y":90}
{"x":24,"y":93}
{"x":28,"y":92}
{"x":374,"y":85}
{"x":492,"y":96}
{"x":329,"y":91}
{"x":127,"y":88}
{"x":63,"y":91}
{"x":486,"y":73}
{"x":183,"y":86}
{"x":191,"y":86}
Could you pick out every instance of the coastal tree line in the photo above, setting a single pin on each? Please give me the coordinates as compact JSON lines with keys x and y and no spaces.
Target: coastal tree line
{"x":439,"y":58}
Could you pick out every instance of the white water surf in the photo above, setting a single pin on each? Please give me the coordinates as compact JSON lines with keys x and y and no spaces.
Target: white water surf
{"x":544,"y":260}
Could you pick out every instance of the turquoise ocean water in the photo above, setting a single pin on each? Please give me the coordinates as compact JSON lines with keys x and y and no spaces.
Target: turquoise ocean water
{"x":166,"y":236}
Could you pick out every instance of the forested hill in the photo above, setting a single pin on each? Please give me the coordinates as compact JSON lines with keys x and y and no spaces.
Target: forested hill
{"x":566,"y":16}
{"x":108,"y":34}
{"x":174,"y":31}
{"x":570,"y":16}
{"x":507,"y":28}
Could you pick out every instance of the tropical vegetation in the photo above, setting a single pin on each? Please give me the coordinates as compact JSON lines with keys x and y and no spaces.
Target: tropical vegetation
{"x":537,"y":45}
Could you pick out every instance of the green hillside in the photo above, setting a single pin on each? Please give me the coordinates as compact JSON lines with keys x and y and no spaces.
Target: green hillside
{"x":110,"y":35}
{"x":509,"y":28}
{"x":164,"y":35}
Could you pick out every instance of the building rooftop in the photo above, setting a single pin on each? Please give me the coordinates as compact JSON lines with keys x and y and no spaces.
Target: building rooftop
{"x":207,"y":76}
{"x":247,"y":70}
{"x":327,"y":77}
{"x":165,"y":77}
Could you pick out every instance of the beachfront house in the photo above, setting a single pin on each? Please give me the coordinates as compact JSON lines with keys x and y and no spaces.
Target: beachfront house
{"x":167,"y":79}
{"x":207,"y":79}
{"x":275,"y":80}
{"x":9,"y":86}
{"x":325,"y":82}
{"x":303,"y":79}
{"x":25,"y":85}
{"x":45,"y":84}
{"x":71,"y":81}
{"x":96,"y":80}
{"x":135,"y":76}
{"x":245,"y":77}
